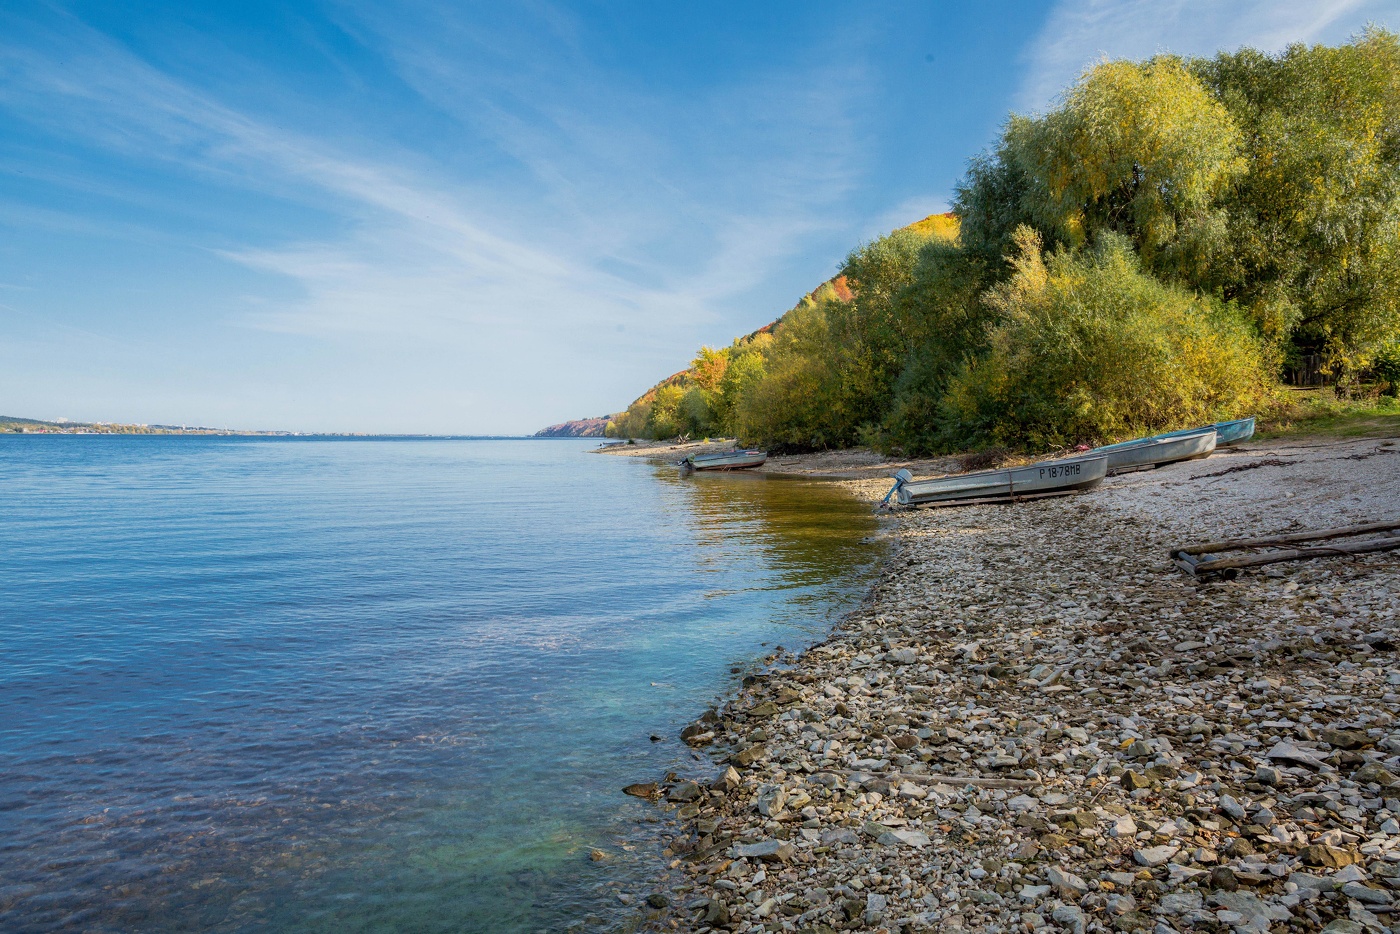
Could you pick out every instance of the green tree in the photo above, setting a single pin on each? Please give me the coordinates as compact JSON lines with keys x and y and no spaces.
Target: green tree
{"x":946,"y":324}
{"x":1140,"y":149}
{"x":872,"y":335}
{"x":1090,"y":348}
{"x":745,"y":369}
{"x":1315,"y":223}
{"x":666,"y":419}
{"x":795,"y":404}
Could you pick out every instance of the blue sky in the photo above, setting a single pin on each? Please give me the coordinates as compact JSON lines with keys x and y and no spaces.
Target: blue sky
{"x":483,"y":218}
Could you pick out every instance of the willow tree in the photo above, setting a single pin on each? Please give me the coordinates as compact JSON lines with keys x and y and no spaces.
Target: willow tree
{"x":1315,"y":222}
{"x":1137,"y":148}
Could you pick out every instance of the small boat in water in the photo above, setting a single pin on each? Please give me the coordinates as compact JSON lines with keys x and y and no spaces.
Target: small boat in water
{"x":723,"y":460}
{"x":1048,"y":478}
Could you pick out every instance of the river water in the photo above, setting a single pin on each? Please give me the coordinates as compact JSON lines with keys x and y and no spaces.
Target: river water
{"x":371,"y":684}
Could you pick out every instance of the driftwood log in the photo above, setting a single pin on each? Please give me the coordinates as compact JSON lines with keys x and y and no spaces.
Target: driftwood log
{"x":1189,"y":558}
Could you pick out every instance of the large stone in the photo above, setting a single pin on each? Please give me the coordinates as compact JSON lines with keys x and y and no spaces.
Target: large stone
{"x":875,"y":905}
{"x":771,"y":851}
{"x":642,"y":790}
{"x":1232,"y":808}
{"x":1365,"y":894}
{"x":1256,"y":912}
{"x":1178,"y":903}
{"x":1344,"y":926}
{"x":747,"y":757}
{"x":1328,"y":857}
{"x":1374,"y":772}
{"x":914,"y":838}
{"x":771,"y":800}
{"x":1066,"y":883}
{"x":1344,"y":739}
{"x":727,"y":780}
{"x":1133,"y":780}
{"x":683,"y":791}
{"x":1287,"y":752}
{"x":1071,"y":917}
{"x":1152,"y":856}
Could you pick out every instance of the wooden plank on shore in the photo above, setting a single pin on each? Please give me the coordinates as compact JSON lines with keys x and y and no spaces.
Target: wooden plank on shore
{"x":1387,"y":543}
{"x":1317,"y":535}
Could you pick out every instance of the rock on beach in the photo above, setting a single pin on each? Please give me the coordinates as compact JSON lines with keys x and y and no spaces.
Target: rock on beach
{"x":1037,"y":723}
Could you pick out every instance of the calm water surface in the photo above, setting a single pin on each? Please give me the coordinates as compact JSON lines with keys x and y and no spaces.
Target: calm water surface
{"x":352,"y":685}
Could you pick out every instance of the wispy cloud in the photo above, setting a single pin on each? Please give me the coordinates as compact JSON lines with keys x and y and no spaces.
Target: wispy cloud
{"x":605,"y":216}
{"x":1079,"y":32}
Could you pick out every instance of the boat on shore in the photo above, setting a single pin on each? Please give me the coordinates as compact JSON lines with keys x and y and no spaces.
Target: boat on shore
{"x":1226,"y":434}
{"x":1048,"y":478}
{"x":1158,"y":450}
{"x":723,"y":460}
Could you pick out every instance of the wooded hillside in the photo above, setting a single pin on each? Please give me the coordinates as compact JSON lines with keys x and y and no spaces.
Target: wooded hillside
{"x":1157,"y":251}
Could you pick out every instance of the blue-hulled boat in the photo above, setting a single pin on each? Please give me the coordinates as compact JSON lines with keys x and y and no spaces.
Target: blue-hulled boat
{"x":1226,"y":433}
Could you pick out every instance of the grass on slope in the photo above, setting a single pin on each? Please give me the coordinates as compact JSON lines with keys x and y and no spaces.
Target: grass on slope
{"x":1320,"y":412}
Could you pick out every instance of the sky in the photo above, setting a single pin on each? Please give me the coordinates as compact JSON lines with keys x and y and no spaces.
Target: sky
{"x":483,"y":218}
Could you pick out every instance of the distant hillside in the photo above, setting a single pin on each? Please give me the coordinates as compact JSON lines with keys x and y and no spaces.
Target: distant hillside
{"x":835,"y":289}
{"x":639,"y":418}
{"x":10,"y":424}
{"x":578,"y":428}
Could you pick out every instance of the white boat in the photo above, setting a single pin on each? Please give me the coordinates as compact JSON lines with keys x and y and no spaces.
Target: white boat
{"x":1158,"y":450}
{"x":1226,"y":434}
{"x":723,"y":460}
{"x":1048,"y":478}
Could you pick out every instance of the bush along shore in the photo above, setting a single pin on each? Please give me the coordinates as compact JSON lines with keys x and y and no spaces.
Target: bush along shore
{"x":1036,"y":722}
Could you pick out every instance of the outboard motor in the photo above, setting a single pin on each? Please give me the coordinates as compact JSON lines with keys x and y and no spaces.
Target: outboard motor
{"x":900,"y":478}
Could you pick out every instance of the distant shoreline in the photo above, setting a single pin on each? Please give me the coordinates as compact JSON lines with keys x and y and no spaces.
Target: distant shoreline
{"x":288,"y":435}
{"x":10,"y":425}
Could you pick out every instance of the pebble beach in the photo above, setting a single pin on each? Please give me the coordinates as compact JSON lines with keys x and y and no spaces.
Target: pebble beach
{"x":1037,"y":722}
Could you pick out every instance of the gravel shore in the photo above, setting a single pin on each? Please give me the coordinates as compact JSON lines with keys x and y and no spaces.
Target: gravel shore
{"x":1037,"y":722}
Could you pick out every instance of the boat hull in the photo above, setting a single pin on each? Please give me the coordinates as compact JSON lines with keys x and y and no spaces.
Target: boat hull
{"x":1226,"y":433}
{"x":727,"y":460}
{"x":1156,"y":451}
{"x":1048,"y":478}
{"x":1236,"y":432}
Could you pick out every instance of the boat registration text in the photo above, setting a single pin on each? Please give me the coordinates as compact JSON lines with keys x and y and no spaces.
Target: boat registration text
{"x":1056,"y":471}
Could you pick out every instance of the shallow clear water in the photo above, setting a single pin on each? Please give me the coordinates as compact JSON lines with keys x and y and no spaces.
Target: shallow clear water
{"x":369,"y":684}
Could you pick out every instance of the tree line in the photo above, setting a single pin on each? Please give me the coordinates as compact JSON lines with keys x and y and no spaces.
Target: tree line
{"x":1155,"y":251}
